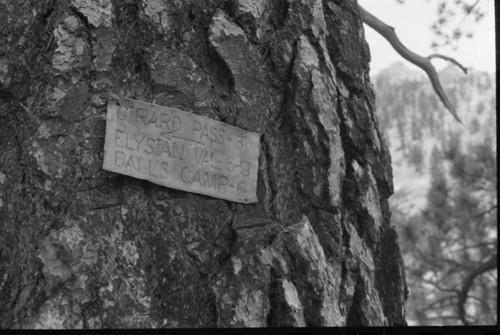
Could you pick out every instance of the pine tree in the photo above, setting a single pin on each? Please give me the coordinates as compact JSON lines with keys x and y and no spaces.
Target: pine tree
{"x":454,"y":263}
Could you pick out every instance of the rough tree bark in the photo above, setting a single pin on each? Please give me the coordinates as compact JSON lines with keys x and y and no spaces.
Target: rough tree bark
{"x":83,"y":247}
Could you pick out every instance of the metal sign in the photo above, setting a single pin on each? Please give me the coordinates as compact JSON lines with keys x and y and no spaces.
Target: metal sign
{"x":181,"y":150}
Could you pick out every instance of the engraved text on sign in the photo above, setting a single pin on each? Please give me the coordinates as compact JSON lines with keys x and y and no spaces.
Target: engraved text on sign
{"x":181,"y":150}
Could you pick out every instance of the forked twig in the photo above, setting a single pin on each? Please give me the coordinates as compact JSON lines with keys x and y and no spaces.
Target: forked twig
{"x":449,"y":59}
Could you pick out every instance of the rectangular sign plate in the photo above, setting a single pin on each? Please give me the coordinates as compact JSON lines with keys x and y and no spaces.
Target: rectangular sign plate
{"x":181,"y":150}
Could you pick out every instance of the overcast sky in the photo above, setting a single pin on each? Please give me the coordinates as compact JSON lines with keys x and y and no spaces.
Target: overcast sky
{"x":413,"y":21}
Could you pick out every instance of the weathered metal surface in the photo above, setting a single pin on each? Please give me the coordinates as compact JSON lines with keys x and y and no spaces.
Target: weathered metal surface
{"x":181,"y":150}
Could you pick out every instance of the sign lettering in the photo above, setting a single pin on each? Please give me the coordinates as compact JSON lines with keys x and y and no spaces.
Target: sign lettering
{"x":181,"y":150}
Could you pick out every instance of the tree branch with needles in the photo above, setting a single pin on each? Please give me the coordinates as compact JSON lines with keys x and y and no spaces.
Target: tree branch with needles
{"x":424,"y":63}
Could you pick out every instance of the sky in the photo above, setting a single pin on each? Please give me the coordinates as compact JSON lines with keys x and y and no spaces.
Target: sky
{"x":412,"y":22}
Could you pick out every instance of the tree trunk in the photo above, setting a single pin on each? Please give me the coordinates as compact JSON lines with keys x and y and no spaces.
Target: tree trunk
{"x":84,"y":247}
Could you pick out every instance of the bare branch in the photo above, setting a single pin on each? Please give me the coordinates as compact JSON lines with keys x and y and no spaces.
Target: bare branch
{"x":469,"y":280}
{"x":441,"y":317}
{"x":476,"y":246}
{"x":389,"y":34}
{"x":440,"y":288}
{"x":440,"y":302}
{"x":474,"y":5}
{"x":449,"y":59}
{"x":486,"y":211}
{"x":437,"y":262}
{"x":486,"y":307}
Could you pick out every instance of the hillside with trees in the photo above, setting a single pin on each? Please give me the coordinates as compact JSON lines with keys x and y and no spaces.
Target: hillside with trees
{"x":445,"y":201}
